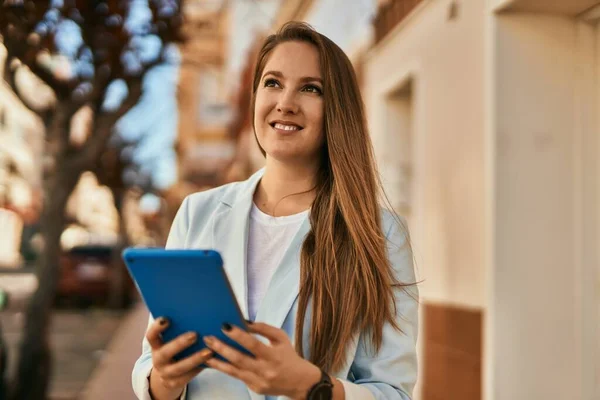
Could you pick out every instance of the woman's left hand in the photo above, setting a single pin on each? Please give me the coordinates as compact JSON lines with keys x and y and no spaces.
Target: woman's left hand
{"x":276,"y":369}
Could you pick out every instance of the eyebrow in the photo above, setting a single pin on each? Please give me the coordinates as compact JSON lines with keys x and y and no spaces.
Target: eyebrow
{"x":279,"y":74}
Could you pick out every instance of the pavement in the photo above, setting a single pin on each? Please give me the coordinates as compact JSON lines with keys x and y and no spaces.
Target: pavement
{"x":112,"y":377}
{"x":94,"y":351}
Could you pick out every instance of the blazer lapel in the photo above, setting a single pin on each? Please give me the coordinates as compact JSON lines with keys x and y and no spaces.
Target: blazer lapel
{"x":230,"y":236}
{"x":284,"y":286}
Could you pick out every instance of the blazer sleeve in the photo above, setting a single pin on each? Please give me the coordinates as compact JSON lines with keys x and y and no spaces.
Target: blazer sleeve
{"x":391,"y":373}
{"x":143,"y":365}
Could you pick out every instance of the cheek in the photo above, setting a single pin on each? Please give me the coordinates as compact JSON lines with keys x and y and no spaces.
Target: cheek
{"x":317,"y":119}
{"x":259,"y":116}
{"x":262,"y":106}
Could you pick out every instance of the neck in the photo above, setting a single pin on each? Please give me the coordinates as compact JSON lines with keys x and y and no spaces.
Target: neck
{"x":286,"y":189}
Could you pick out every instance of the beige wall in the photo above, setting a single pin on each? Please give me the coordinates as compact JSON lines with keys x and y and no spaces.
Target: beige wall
{"x":546,"y":141}
{"x":504,"y":144}
{"x":564,"y":7}
{"x":444,"y":60}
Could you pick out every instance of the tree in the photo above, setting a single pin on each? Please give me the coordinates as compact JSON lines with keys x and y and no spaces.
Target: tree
{"x":91,"y":57}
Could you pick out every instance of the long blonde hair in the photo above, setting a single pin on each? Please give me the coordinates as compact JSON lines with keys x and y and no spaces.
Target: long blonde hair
{"x":344,"y":266}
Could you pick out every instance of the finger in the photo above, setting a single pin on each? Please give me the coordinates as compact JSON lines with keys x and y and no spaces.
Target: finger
{"x":181,"y":380}
{"x":248,"y":341}
{"x":154,"y":331}
{"x":236,"y":358}
{"x":249,"y":378}
{"x":169,"y":350}
{"x":188,"y":364}
{"x":275,"y":335}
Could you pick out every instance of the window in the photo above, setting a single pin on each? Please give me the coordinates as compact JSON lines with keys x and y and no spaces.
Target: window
{"x":399,"y":158}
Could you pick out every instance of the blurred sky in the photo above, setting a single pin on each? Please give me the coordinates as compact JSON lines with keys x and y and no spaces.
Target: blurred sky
{"x":147,"y":133}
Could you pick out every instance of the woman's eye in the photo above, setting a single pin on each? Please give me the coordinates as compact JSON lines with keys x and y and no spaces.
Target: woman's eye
{"x":271,"y":83}
{"x":313,"y":89}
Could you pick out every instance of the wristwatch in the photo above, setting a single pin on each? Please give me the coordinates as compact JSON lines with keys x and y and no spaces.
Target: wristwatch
{"x":322,"y":390}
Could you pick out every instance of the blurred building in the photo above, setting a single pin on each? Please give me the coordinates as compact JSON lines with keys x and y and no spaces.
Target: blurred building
{"x":484,"y":119}
{"x":204,"y":146}
{"x":93,"y":217}
{"x":21,"y":145}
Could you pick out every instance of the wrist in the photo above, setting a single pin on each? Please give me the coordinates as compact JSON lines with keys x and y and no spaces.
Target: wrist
{"x":311,"y":377}
{"x":158,"y":391}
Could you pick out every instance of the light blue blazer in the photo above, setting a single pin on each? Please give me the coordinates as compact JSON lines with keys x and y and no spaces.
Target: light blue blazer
{"x":218,"y":219}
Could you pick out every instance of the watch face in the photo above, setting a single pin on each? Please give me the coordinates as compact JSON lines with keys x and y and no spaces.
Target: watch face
{"x":323,"y":392}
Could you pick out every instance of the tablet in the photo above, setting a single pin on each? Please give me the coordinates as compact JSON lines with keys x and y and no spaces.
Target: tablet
{"x":188,"y":287}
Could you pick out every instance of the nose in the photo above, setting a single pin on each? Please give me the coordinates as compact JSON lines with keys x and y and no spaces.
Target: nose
{"x":287,"y":103}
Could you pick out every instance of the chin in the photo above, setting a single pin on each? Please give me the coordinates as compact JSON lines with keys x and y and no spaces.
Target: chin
{"x":288,"y":151}
{"x":283,"y":155}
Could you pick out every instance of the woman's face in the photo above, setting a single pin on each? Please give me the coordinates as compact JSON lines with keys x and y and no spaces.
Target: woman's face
{"x":288,"y":114}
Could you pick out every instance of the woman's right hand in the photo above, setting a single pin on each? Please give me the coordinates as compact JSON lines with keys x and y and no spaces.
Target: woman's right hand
{"x":168,"y":377}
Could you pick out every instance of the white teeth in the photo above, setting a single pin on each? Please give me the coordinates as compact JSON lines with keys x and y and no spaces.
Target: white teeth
{"x":286,"y":127}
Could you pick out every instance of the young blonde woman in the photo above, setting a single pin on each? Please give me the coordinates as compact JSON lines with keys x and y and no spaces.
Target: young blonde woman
{"x":322,"y":271}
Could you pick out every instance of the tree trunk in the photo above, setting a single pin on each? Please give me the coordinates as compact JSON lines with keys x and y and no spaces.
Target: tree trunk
{"x":35,"y":361}
{"x":118,"y":297}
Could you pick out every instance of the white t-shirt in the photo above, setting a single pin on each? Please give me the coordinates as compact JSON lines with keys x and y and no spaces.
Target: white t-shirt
{"x":268,"y":240}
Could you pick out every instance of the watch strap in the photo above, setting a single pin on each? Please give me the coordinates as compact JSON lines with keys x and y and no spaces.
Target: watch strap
{"x":323,"y":386}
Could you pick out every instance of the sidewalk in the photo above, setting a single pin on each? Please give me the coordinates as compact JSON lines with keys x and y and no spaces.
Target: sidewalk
{"x":112,"y":377}
{"x":78,"y":340}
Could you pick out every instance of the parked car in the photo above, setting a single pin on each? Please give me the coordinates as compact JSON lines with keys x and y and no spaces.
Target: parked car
{"x":94,"y":275}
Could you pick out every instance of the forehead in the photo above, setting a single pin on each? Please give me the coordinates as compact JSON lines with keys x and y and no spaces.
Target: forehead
{"x":295,"y":60}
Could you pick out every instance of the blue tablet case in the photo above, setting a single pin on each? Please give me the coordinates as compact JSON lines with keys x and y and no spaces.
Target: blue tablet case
{"x":188,"y":287}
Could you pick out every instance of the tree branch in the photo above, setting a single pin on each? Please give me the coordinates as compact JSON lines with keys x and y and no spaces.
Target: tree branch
{"x":17,"y":49}
{"x":6,"y":71}
{"x":103,"y":127}
{"x":61,"y":88}
{"x":10,"y":78}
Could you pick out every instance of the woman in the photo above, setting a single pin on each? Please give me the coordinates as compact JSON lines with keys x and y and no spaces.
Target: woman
{"x":315,"y":263}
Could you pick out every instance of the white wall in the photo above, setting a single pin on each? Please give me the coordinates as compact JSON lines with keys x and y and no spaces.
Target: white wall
{"x":346,"y":25}
{"x":543,"y":138}
{"x":445,"y":61}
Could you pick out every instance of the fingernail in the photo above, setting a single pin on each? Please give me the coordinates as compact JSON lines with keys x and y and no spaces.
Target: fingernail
{"x":226,"y":327}
{"x":162,"y":321}
{"x":191,"y":337}
{"x":206,"y":352}
{"x":207,"y":339}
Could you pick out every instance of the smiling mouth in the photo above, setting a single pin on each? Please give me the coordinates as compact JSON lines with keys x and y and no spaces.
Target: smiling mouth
{"x":285,"y":127}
